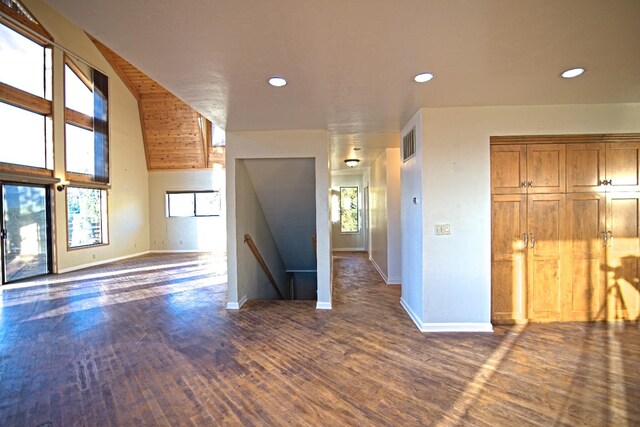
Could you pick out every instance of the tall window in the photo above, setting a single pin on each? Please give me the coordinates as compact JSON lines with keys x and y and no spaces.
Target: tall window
{"x":25,"y":100}
{"x":86,"y":123}
{"x":86,"y":217}
{"x":349,"y":220}
{"x":193,"y":203}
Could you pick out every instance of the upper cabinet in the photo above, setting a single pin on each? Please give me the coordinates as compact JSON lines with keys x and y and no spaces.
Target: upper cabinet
{"x":528,"y":168}
{"x":604,"y":166}
{"x":559,"y":164}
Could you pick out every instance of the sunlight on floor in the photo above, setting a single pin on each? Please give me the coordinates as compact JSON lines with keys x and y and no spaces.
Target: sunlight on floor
{"x":482,"y":377}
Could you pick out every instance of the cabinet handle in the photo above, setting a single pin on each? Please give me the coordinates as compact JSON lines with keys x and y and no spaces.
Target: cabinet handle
{"x":601,"y":182}
{"x":610,"y":238}
{"x":523,"y":184}
{"x":609,"y":182}
{"x":530,"y":183}
{"x":526,"y":240}
{"x":533,"y":240}
{"x":604,"y":239}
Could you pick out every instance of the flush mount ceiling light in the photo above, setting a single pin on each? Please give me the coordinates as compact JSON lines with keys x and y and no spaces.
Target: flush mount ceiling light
{"x":572,"y":72}
{"x":277,"y":81}
{"x":352,"y":162}
{"x":423,"y":77}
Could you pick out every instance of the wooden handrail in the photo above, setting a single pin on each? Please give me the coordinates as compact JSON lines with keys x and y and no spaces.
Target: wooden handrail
{"x":263,"y":264}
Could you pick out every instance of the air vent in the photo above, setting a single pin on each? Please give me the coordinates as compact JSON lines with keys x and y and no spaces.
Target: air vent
{"x":409,"y":145}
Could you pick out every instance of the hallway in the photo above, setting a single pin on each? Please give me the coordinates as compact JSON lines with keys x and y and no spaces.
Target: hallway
{"x":148,"y":341}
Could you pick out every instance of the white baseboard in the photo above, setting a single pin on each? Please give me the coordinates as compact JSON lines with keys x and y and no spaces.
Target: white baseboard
{"x":96,"y":263}
{"x":445,"y":327}
{"x":384,"y":276}
{"x":458,"y":327}
{"x":179,"y":251}
{"x":320,"y":305}
{"x":347,"y":249}
{"x":236,"y":305}
{"x":412,"y":315}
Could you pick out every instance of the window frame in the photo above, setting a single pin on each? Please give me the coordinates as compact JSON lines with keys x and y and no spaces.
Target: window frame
{"x":195,"y":203}
{"x":357,"y":208}
{"x":84,"y":121}
{"x":104,"y":218}
{"x":19,"y":98}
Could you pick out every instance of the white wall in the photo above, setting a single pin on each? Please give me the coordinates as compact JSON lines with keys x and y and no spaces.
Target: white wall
{"x":456,"y":181}
{"x":186,"y":233}
{"x":252,"y":282}
{"x":411,"y":218}
{"x":394,"y":252}
{"x":348,"y":241}
{"x":128,"y":199}
{"x":385,"y":215}
{"x":282,"y":144}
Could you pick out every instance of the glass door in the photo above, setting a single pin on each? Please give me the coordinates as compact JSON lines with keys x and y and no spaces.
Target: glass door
{"x":25,"y":231}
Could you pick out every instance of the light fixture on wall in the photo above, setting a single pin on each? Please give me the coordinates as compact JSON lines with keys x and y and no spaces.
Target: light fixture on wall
{"x":352,"y":162}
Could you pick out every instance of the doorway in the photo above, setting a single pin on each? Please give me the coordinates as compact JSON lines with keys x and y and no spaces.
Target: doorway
{"x":25,"y":231}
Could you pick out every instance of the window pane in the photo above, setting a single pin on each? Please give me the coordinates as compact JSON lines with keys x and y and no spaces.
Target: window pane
{"x":27,"y":58}
{"x":180,"y":204}
{"x":77,"y":95}
{"x":22,"y":137}
{"x":349,"y":210}
{"x":208,"y":204}
{"x":86,"y":213}
{"x":80,"y":155}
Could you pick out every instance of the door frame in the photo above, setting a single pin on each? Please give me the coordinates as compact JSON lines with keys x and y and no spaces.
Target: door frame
{"x":48,"y":223}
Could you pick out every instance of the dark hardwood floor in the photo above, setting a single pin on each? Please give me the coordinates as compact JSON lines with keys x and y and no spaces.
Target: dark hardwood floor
{"x":148,"y":341}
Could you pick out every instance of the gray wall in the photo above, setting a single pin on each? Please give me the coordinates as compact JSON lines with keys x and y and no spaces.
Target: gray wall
{"x":252,"y":281}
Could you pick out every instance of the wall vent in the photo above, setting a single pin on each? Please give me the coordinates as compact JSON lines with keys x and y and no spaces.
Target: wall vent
{"x":409,"y":145}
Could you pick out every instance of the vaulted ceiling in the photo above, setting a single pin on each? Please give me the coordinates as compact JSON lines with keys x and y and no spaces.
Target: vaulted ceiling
{"x":350,"y":64}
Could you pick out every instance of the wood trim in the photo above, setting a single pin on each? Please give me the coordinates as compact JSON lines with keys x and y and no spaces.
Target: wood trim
{"x":556,"y":139}
{"x":23,"y":20}
{"x":85,"y":181}
{"x":25,"y":100}
{"x":108,"y":55}
{"x":88,"y":81}
{"x":203,"y":124}
{"x":25,"y":170}
{"x":78,"y":119}
{"x":145,"y":141}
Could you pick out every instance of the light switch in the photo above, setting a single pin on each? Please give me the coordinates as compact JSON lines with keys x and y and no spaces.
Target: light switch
{"x":443,"y":229}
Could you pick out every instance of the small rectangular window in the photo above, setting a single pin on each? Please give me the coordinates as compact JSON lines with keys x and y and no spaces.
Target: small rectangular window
{"x":193,"y":203}
{"x":349,"y":220}
{"x":86,"y":217}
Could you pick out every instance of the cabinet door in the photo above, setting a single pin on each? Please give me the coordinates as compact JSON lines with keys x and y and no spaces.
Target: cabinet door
{"x":508,"y":169}
{"x":546,"y":168}
{"x":585,"y":281}
{"x":546,"y":224}
{"x":585,"y":167}
{"x":623,"y":253}
{"x":508,"y":258}
{"x":623,"y":166}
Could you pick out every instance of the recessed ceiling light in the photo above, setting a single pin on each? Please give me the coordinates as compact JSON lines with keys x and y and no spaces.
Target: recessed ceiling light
{"x":571,"y":73}
{"x":277,"y":81}
{"x":423,"y":77}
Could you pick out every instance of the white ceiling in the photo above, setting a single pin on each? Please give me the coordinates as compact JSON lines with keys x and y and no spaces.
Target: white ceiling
{"x":350,"y":63}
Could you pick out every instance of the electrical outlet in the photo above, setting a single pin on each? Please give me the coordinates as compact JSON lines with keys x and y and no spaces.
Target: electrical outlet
{"x":443,"y":229}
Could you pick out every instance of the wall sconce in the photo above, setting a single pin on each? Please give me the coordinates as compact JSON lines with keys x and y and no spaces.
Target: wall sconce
{"x":62,"y":185}
{"x":352,"y":162}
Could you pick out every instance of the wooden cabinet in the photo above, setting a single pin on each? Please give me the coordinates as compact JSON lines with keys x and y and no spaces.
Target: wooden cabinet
{"x":528,"y":169}
{"x":565,"y":228}
{"x":508,"y":257}
{"x":602,"y":167}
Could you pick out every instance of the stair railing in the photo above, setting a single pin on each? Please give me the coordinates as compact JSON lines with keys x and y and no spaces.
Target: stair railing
{"x":263,"y":264}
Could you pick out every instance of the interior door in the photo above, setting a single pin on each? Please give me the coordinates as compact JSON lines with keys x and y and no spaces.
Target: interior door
{"x":25,"y":231}
{"x":546,"y":165}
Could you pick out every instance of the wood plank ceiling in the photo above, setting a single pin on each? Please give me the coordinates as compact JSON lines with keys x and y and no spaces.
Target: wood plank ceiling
{"x":175,"y":135}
